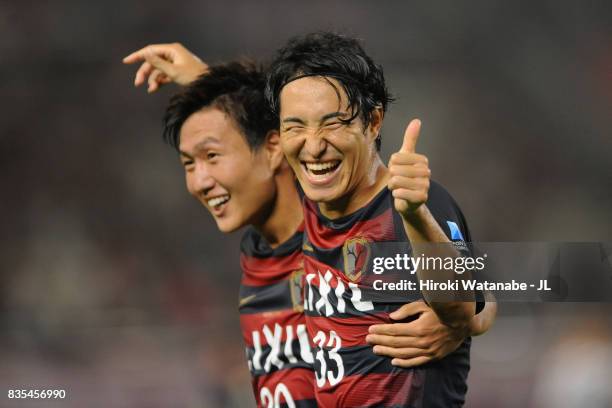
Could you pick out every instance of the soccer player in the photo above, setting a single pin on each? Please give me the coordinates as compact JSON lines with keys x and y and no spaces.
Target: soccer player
{"x":331,"y":99}
{"x":230,"y":152}
{"x":229,"y":146}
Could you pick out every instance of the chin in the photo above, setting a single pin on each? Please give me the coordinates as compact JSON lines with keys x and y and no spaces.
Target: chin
{"x":321,"y":195}
{"x":227,"y":226}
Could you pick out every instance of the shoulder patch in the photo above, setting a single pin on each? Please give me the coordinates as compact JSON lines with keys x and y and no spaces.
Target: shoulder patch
{"x":455,"y":232}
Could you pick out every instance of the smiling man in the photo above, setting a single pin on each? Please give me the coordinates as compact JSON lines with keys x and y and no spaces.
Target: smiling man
{"x":331,"y":99}
{"x":228,"y":143}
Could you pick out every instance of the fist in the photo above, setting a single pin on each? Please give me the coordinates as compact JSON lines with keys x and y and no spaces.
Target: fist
{"x":410,"y":174}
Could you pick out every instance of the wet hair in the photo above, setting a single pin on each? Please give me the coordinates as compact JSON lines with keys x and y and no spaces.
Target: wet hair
{"x":331,"y":56}
{"x":236,"y":88}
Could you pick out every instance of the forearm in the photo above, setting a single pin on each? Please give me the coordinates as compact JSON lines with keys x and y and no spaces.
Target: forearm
{"x":454,"y":308}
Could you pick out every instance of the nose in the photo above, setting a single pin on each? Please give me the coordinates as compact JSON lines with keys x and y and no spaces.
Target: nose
{"x":315,"y":145}
{"x":202,"y":181}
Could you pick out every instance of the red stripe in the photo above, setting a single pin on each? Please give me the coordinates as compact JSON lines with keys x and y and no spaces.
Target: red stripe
{"x":299,"y":381}
{"x":266,"y":271}
{"x":405,"y":388}
{"x":301,"y":227}
{"x":379,"y":228}
{"x":313,"y":266}
{"x":255,"y":322}
{"x":352,"y":330}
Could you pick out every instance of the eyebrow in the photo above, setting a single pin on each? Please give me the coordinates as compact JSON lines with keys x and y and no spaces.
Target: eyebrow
{"x":332,"y":115}
{"x":208,"y":140}
{"x":185,"y":155}
{"x":294,"y":120}
{"x":325,"y":117}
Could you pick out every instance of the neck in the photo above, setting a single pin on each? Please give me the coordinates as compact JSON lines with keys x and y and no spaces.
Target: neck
{"x":285,"y":212}
{"x":374,"y":181}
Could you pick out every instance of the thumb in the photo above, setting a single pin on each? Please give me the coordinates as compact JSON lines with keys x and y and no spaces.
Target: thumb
{"x":160,"y":63}
{"x":408,"y":310}
{"x":411,"y":136}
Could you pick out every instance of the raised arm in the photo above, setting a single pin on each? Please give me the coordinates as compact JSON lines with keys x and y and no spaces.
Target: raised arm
{"x":165,"y":63}
{"x":409,"y":182}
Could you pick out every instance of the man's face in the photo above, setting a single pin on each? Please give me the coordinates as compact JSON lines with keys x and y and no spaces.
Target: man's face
{"x":234,"y":183}
{"x":330,"y":159}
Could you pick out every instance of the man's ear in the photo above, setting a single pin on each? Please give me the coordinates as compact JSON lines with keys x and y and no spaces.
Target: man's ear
{"x":376,"y":121}
{"x":273,"y":150}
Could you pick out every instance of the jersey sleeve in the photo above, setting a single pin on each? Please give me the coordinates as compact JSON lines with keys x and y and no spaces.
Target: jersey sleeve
{"x":447,"y":213}
{"x":450,"y":218}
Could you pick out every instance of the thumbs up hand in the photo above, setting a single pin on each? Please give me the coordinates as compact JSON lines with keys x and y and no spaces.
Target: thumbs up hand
{"x":410,"y":174}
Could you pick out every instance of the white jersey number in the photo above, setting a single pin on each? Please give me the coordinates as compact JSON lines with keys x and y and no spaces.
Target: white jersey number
{"x":323,"y":374}
{"x":274,"y":401}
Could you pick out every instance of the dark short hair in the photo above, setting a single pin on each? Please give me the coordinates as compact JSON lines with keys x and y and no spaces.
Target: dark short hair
{"x":237,"y":88}
{"x":335,"y":56}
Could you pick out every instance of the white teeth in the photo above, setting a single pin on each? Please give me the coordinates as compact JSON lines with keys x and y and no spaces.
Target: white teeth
{"x":213,"y":202}
{"x":321,"y":166}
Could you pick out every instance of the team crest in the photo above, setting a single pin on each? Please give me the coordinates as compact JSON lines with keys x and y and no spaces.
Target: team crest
{"x":296,"y":286}
{"x":356,"y":252}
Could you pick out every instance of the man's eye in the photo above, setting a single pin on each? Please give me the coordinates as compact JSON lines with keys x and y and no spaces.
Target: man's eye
{"x":293,"y":128}
{"x":211,"y":155}
{"x":332,"y":125}
{"x":188,"y":164}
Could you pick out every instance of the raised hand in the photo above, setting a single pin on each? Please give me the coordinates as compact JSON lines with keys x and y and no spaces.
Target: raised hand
{"x":410,"y":174}
{"x":164,"y":63}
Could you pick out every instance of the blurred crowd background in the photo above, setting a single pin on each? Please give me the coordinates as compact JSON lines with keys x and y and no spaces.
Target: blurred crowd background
{"x":116,"y":286}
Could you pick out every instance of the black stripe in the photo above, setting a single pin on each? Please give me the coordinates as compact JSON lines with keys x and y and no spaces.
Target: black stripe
{"x":267,"y":298}
{"x":265,"y":352}
{"x":361,"y":360}
{"x":253,"y":244}
{"x":373,"y":209}
{"x":310,"y":403}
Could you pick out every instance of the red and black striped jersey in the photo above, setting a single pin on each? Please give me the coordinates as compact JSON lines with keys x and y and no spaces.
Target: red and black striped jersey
{"x":340,"y":304}
{"x":272,"y":319}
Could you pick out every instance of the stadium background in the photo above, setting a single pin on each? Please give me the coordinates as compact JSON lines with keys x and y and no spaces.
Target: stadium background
{"x":115,"y":284}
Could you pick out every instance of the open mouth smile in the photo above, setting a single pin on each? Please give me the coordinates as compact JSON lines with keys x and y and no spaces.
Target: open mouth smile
{"x":321,"y":173}
{"x":217,"y":204}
